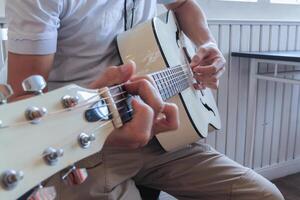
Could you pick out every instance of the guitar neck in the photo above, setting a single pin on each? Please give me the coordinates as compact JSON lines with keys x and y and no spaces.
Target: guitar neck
{"x":169,"y":82}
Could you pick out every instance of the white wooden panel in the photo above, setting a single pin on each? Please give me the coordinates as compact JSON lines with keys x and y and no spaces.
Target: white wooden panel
{"x":270,"y":103}
{"x":293,"y":123}
{"x":277,"y":136}
{"x":233,"y":82}
{"x":285,"y":122}
{"x":291,"y":135}
{"x":297,"y":141}
{"x":298,"y":38}
{"x":268,"y":124}
{"x":255,"y":43}
{"x":274,"y":35}
{"x":261,"y":101}
{"x":292,"y":33}
{"x":255,"y":38}
{"x":224,"y":39}
{"x":277,"y":122}
{"x":242,"y":95}
{"x":283,"y":45}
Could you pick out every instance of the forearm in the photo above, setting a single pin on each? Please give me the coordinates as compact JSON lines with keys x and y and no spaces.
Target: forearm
{"x":21,"y":67}
{"x":192,"y":21}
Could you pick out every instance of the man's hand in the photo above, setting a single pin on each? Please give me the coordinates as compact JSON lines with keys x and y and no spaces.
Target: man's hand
{"x":151,"y":114}
{"x":208,"y":65}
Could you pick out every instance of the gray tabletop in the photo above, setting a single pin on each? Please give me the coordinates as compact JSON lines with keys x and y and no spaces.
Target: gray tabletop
{"x":293,"y":56}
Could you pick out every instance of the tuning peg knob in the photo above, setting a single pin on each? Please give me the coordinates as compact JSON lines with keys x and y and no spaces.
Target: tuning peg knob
{"x":85,"y":140}
{"x":11,"y":178}
{"x":35,"y":84}
{"x":35,"y":114}
{"x":51,"y":155}
{"x":5,"y":93}
{"x":69,"y":101}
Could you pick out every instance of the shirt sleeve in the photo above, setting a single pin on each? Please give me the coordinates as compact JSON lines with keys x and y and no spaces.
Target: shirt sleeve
{"x":33,"y":25}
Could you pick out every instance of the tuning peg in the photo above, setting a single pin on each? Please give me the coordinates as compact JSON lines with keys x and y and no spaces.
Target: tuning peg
{"x":69,"y":101}
{"x":85,"y":140}
{"x":52,"y":155}
{"x":11,"y":178}
{"x":5,"y":92}
{"x":74,"y":176}
{"x":35,"y":84}
{"x":35,"y":114}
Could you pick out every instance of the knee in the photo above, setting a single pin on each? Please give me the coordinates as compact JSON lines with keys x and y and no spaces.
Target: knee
{"x":253,"y":185}
{"x":271,"y":192}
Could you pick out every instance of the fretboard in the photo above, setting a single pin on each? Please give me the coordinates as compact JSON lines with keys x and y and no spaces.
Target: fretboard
{"x":171,"y":81}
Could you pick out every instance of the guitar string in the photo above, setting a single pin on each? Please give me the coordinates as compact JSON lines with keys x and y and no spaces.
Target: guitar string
{"x":123,"y":92}
{"x":166,"y":79}
{"x":90,"y":131}
{"x":52,"y":114}
{"x":85,"y":103}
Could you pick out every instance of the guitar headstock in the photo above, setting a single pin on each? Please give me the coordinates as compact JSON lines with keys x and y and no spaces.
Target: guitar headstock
{"x":46,"y":133}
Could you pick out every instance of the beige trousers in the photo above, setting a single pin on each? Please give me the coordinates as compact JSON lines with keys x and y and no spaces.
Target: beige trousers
{"x":195,"y":172}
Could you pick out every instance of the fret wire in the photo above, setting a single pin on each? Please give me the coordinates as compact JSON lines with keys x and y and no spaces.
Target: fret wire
{"x":174,"y":80}
{"x":175,"y":73}
{"x":177,"y":79}
{"x":182,"y":86}
{"x":168,"y":84}
{"x":161,"y":87}
{"x":169,"y":79}
{"x":165,"y":85}
{"x":177,"y":66}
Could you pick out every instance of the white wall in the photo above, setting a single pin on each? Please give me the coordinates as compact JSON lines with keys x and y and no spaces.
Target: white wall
{"x":2,"y":8}
{"x":276,"y":150}
{"x":228,"y":10}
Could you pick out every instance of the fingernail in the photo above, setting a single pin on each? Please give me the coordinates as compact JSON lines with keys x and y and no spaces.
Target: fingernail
{"x":131,"y":62}
{"x":125,"y":68}
{"x":196,"y":59}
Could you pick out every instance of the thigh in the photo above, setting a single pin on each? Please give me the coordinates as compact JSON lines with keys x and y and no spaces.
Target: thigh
{"x":109,"y":179}
{"x":200,"y":172}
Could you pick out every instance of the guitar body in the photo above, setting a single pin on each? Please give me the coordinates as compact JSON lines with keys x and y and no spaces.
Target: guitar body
{"x":154,"y":46}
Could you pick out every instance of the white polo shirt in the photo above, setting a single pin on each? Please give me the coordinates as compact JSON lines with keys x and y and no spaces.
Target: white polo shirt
{"x":81,"y":33}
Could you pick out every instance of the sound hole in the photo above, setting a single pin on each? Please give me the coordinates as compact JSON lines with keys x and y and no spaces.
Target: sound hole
{"x":205,"y":104}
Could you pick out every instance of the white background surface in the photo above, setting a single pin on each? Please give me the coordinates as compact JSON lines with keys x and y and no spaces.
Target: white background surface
{"x":2,"y":2}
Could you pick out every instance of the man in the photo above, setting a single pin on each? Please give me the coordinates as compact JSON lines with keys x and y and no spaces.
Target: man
{"x":74,"y":41}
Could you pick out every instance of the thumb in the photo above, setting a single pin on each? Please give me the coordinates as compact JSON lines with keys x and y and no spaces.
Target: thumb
{"x":115,"y":75}
{"x":198,"y":57}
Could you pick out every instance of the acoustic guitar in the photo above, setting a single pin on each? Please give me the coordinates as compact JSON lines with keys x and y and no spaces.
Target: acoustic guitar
{"x":46,"y":133}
